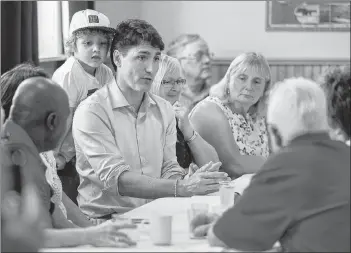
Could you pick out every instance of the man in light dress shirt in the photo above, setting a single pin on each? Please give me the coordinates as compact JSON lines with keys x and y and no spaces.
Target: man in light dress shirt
{"x":125,"y":137}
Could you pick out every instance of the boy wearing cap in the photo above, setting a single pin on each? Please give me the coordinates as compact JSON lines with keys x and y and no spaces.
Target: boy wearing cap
{"x":81,"y":75}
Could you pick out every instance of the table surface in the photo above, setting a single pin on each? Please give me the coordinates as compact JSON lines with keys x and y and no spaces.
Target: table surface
{"x":177,"y":208}
{"x":181,"y":241}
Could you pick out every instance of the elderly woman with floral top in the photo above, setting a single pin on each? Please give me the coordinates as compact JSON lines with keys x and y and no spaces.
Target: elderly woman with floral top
{"x":232,"y":120}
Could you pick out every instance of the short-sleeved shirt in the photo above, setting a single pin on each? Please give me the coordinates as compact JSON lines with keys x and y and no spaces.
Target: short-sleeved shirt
{"x":78,"y":84}
{"x":111,"y":137}
{"x":300,"y":197}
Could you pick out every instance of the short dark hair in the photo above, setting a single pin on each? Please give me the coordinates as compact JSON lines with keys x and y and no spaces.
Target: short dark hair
{"x":133,"y":32}
{"x":336,"y":82}
{"x":12,"y":79}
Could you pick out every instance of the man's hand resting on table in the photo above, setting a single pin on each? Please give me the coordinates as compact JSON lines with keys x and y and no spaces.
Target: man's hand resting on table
{"x":203,"y":181}
{"x":108,"y":234}
{"x":201,"y":223}
{"x":202,"y":226}
{"x":209,"y":167}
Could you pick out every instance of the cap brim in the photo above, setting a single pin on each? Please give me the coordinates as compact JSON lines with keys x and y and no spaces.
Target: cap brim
{"x":103,"y":28}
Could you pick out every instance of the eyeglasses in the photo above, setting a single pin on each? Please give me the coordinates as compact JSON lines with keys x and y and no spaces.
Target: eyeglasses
{"x":199,"y":56}
{"x":179,"y":82}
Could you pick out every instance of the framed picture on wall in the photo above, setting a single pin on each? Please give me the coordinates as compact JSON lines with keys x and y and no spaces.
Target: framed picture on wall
{"x":308,"y":15}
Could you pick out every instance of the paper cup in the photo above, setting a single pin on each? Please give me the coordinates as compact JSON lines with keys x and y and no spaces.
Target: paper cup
{"x":161,"y":230}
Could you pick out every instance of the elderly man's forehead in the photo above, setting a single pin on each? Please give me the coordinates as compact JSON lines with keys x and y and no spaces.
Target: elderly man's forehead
{"x":196,"y":46}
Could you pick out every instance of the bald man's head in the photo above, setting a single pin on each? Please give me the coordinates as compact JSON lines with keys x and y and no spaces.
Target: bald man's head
{"x":41,"y":107}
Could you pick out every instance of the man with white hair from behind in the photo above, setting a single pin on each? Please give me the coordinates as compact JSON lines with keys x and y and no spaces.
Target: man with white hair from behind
{"x":301,"y":195}
{"x":297,"y":106}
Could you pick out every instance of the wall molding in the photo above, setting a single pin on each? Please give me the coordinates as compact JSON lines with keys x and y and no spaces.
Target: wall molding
{"x":57,"y":58}
{"x":227,"y":61}
{"x":284,"y":68}
{"x":291,"y":61}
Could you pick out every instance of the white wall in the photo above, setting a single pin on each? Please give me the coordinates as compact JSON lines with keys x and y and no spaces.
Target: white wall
{"x":118,"y":11}
{"x":230,"y":27}
{"x":49,"y":37}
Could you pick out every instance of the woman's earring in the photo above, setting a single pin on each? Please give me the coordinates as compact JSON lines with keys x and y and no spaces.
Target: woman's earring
{"x":227,"y":91}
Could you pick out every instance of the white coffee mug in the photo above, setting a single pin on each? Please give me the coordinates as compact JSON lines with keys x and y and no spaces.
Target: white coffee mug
{"x":161,"y":229}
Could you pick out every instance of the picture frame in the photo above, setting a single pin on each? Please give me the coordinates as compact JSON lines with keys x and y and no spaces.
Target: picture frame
{"x":308,"y":15}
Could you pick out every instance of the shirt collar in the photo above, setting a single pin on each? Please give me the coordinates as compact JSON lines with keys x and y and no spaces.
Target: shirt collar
{"x":189,"y":99}
{"x":312,"y":137}
{"x":118,"y":99}
{"x":189,"y":95}
{"x":14,"y":133}
{"x":97,"y":72}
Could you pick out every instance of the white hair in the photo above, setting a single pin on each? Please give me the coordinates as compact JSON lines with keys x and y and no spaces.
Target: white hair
{"x":297,"y":106}
{"x":249,"y":60}
{"x":167,"y":64}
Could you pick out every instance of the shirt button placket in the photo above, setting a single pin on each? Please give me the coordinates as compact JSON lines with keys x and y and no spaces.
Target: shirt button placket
{"x":138,"y":144}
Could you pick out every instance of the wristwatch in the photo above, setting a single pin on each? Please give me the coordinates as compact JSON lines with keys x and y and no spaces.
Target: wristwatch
{"x":193,"y":137}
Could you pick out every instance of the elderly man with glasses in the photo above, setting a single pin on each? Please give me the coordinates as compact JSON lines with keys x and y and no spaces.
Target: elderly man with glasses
{"x":195,"y":58}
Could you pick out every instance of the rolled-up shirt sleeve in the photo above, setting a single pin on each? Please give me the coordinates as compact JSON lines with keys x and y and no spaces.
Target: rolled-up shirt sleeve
{"x":170,"y":166}
{"x":263,"y":213}
{"x":93,"y":136}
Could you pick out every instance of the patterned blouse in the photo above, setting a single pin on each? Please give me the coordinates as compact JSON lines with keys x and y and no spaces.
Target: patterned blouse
{"x":249,"y":135}
{"x":53,"y":179}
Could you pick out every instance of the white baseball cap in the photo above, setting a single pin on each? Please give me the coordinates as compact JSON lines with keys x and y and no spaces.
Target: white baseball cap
{"x":89,"y":19}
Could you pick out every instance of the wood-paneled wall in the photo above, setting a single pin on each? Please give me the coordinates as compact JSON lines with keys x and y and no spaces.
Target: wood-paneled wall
{"x":282,"y":69}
